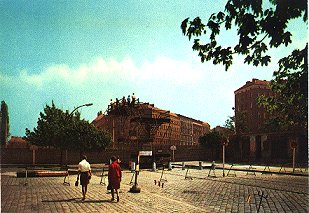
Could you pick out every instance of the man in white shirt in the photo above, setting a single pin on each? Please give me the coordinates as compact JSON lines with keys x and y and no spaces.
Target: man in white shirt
{"x":84,"y":171}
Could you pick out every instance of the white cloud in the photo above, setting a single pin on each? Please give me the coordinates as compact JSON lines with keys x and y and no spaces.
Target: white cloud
{"x":201,"y":91}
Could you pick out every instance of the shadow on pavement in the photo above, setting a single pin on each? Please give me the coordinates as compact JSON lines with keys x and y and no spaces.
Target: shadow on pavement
{"x":61,"y":200}
{"x":78,"y":200}
{"x":95,"y":201}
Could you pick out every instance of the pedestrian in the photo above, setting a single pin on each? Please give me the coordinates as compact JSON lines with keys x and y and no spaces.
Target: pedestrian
{"x":114,"y":177}
{"x":84,"y":171}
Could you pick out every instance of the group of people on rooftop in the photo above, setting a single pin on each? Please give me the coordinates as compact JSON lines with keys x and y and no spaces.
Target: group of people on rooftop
{"x":114,"y":176}
{"x":129,"y":101}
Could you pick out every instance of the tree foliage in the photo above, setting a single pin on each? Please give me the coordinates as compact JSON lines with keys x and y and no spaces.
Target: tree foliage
{"x":257,"y":29}
{"x":260,"y":28}
{"x":5,"y":123}
{"x":289,"y":109}
{"x":230,"y":123}
{"x":211,"y":140}
{"x":65,"y":131}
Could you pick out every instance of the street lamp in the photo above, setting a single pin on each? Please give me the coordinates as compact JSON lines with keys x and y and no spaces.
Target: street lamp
{"x":87,"y":105}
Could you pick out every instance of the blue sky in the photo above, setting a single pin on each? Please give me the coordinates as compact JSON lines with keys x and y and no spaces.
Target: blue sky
{"x":77,"y":52}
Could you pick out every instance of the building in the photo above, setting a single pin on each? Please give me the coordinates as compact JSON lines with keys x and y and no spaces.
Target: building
{"x":255,"y":141}
{"x":191,"y":130}
{"x":250,"y":117}
{"x":144,"y":125}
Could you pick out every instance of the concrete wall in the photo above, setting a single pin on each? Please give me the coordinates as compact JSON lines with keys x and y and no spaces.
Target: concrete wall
{"x":55,"y":156}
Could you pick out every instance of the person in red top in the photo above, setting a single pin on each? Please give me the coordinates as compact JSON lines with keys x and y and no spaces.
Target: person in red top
{"x":114,"y":177}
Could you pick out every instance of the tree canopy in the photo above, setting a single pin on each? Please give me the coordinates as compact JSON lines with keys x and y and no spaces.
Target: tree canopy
{"x":257,"y":29}
{"x":60,"y":129}
{"x":289,"y":109}
{"x":230,"y":123}
{"x":260,"y":26}
{"x":212,"y":139}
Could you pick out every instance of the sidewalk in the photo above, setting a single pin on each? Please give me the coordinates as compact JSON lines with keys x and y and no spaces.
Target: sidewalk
{"x":265,"y":169}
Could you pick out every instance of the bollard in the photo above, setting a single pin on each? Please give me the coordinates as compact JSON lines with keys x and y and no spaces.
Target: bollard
{"x":154,"y":167}
{"x":200,"y":165}
{"x":132,"y":166}
{"x":169,"y":166}
{"x":183,"y":165}
{"x":213,"y":165}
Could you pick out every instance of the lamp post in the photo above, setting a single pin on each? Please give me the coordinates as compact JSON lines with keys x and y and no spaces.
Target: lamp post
{"x":87,"y":105}
{"x":224,"y":143}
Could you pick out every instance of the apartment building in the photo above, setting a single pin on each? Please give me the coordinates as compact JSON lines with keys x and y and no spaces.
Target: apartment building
{"x":144,"y":124}
{"x":259,"y":143}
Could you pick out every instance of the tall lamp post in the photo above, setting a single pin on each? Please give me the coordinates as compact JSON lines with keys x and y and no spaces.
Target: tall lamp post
{"x":87,"y":105}
{"x":224,"y":143}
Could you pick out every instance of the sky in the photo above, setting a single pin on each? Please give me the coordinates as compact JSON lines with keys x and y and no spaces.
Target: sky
{"x":84,"y":51}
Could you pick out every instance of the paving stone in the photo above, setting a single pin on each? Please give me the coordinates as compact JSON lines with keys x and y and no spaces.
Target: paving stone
{"x":285,"y":193}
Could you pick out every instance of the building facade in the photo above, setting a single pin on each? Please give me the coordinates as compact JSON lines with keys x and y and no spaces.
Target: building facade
{"x":250,"y":117}
{"x":255,"y":141}
{"x":144,"y":125}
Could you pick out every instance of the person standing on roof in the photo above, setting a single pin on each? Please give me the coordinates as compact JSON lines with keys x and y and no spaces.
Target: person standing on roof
{"x":133,"y":99}
{"x":128,"y":99}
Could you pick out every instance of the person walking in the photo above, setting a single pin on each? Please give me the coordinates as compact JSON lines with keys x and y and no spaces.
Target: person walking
{"x":84,"y":171}
{"x":114,"y":177}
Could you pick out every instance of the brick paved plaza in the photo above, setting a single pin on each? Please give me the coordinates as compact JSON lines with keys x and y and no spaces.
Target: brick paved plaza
{"x":284,"y":193}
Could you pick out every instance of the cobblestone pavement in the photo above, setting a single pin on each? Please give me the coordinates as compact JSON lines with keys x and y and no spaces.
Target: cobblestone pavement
{"x":183,"y":191}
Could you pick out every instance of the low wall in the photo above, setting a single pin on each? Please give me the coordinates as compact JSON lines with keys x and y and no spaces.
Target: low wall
{"x":56,"y":156}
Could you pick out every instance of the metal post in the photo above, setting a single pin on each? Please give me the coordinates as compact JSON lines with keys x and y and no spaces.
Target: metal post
{"x":294,"y":149}
{"x":260,"y":203}
{"x":223,"y":158}
{"x":33,"y":156}
{"x":113,"y":133}
{"x":26,"y":175}
{"x":134,"y":188}
{"x":66,"y":157}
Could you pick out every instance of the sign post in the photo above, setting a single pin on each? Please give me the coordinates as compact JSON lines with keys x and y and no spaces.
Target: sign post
{"x":173,"y":148}
{"x":134,"y":188}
